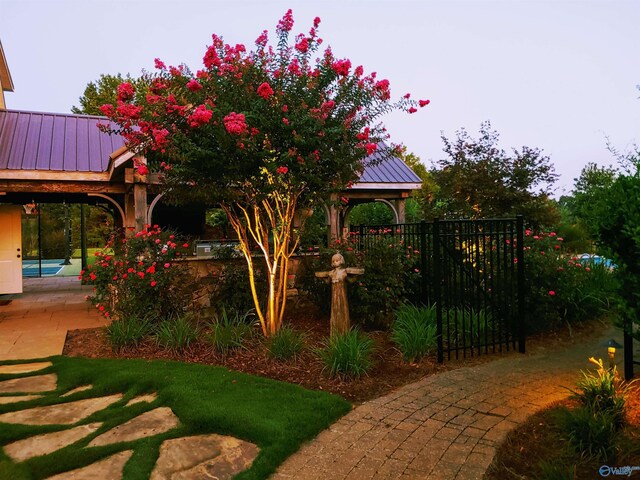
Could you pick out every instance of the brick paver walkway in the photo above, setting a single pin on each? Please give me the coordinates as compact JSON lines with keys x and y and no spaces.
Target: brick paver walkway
{"x":445,"y":426}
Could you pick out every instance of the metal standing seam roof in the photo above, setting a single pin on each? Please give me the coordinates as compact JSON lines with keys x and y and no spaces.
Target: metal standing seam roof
{"x":389,"y":170}
{"x":73,"y":143}
{"x":54,"y":142}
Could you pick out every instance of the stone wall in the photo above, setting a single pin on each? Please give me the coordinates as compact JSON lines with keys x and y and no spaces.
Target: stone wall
{"x":207,"y":271}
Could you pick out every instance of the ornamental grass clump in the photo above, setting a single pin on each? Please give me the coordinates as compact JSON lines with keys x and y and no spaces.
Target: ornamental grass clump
{"x":414,"y":331}
{"x":127,"y":332}
{"x":229,"y":331}
{"x":177,"y":334}
{"x":348,"y":355}
{"x":603,"y":391}
{"x":593,"y":428}
{"x":285,"y":344}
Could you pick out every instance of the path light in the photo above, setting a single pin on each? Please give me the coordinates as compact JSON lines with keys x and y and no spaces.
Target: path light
{"x":611,"y":345}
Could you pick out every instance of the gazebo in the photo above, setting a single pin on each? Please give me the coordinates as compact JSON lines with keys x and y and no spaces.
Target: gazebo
{"x":51,"y":158}
{"x":64,"y":158}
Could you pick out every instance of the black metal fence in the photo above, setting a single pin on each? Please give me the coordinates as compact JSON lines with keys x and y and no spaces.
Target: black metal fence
{"x":473,"y":272}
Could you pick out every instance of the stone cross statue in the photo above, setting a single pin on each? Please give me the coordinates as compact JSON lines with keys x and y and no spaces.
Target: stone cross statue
{"x":340,"y":322}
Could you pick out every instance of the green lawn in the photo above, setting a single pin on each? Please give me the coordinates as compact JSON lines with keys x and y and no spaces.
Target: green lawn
{"x":276,"y":416}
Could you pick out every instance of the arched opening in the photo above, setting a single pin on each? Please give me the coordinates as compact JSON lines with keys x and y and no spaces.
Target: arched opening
{"x":376,"y":212}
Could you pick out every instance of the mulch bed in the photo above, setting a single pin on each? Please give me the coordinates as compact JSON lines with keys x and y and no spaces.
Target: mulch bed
{"x":389,"y":373}
{"x":540,"y":439}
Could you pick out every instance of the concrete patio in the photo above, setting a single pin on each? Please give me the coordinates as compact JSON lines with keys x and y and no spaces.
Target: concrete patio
{"x":35,"y":323}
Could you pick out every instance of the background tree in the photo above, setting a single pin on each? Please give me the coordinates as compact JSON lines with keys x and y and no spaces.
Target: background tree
{"x":261,"y":133}
{"x":418,"y":205}
{"x":103,"y":91}
{"x":593,"y":183}
{"x":478,"y":180}
{"x":616,"y":217}
{"x":579,"y":210}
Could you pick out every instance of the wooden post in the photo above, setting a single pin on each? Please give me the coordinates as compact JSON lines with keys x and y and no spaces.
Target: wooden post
{"x":401,"y":210}
{"x":140,"y":205}
{"x":334,"y":219}
{"x":135,"y":201}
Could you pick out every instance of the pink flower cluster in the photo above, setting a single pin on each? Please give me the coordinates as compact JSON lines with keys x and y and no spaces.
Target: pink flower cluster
{"x":286,"y":23}
{"x":342,"y":67}
{"x":235,"y":123}
{"x":265,"y":90}
{"x":200,"y":116}
{"x":125,"y":92}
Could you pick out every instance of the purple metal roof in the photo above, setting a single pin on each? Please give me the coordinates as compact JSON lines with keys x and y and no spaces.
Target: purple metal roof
{"x":389,"y":170}
{"x":73,"y":143}
{"x":54,"y":141}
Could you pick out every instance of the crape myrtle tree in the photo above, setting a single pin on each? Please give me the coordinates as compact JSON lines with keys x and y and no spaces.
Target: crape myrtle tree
{"x":264,"y":134}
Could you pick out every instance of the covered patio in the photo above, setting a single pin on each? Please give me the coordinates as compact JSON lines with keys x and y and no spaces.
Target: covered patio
{"x":34,"y":324}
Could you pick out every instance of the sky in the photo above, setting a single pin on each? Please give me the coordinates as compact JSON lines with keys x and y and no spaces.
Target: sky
{"x":559,"y":75}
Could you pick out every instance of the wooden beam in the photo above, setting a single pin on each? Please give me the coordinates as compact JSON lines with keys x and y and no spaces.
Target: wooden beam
{"x":116,"y":162}
{"x":60,"y":187}
{"x":373,"y":194}
{"x":53,"y":175}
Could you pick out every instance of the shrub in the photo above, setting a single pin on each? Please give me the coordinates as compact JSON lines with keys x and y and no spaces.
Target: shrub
{"x":348,"y":355}
{"x":139,"y":275}
{"x":592,"y":428}
{"x":561,"y":288}
{"x":414,"y":331}
{"x":390,"y":272}
{"x":127,"y":332}
{"x":233,"y":292}
{"x":602,"y":392}
{"x":390,"y":277}
{"x":592,"y":435}
{"x":176,"y":335}
{"x":285,"y":344}
{"x":467,"y":325}
{"x":230,"y":330}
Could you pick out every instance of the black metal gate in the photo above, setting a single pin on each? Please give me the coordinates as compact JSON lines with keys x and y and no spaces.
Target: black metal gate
{"x":473,"y":272}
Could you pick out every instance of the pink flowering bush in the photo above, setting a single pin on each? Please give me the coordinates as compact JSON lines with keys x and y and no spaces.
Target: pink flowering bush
{"x":138,"y":277}
{"x":262,"y":133}
{"x":560,"y":288}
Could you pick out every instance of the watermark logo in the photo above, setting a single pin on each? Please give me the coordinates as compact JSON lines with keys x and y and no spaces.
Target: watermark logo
{"x":627,"y":471}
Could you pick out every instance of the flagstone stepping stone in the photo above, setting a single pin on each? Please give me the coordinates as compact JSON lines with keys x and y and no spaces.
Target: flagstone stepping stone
{"x":62,"y":413}
{"x":108,"y":469}
{"x":25,"y":367}
{"x":39,"y":383}
{"x":21,"y":398}
{"x":150,"y":397}
{"x":148,"y":424}
{"x":203,"y":456}
{"x":76,"y":390}
{"x":48,"y":442}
